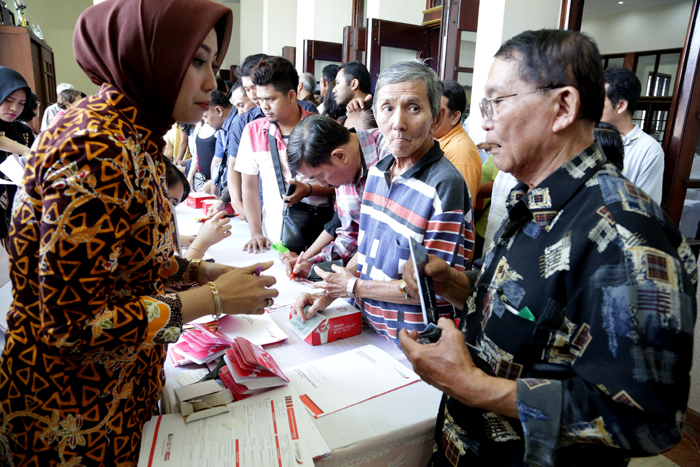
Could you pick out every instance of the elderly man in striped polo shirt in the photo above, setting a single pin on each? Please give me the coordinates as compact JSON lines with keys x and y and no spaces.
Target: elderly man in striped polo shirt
{"x":413,"y":193}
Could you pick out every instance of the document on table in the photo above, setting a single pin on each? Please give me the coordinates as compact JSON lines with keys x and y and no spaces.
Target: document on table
{"x":345,"y":379}
{"x":262,"y":431}
{"x":288,"y":290}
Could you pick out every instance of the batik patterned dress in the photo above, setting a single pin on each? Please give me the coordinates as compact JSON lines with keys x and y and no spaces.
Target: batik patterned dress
{"x":90,"y":244}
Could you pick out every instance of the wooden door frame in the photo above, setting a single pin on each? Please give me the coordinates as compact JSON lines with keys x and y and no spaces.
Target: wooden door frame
{"x":457,"y":16}
{"x":320,"y":50}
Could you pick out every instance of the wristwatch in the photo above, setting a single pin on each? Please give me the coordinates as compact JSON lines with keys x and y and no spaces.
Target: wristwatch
{"x":351,"y":287}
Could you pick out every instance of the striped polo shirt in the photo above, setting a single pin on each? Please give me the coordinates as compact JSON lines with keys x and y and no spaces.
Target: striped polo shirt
{"x":429,"y":202}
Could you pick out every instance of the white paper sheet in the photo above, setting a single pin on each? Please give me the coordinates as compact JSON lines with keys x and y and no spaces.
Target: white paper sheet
{"x":258,"y":329}
{"x":288,"y":290}
{"x":13,"y":169}
{"x":190,"y":377}
{"x":343,"y":380}
{"x":262,"y":431}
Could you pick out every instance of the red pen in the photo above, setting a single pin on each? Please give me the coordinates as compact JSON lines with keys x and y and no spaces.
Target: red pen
{"x":204,"y":219}
{"x":291,"y":276}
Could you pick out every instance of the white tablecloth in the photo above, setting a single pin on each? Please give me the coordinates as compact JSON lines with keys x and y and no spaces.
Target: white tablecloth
{"x":395,"y":429}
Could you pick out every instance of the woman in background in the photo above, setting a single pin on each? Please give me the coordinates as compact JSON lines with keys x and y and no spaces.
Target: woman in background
{"x":15,"y":136}
{"x":91,"y":242}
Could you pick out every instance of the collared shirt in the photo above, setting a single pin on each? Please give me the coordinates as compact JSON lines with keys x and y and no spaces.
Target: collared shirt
{"x":462,"y":152}
{"x":644,"y":162}
{"x":348,"y":201}
{"x":234,"y":135}
{"x":587,"y":301}
{"x":222,"y":148}
{"x":255,"y":158}
{"x":502,"y":184}
{"x":430,"y":203}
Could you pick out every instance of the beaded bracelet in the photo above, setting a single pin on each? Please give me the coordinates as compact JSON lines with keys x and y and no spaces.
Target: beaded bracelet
{"x":217,"y":300}
{"x":193,"y":271}
{"x":311,"y":189}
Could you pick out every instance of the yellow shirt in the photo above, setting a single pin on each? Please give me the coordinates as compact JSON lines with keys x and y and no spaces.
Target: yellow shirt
{"x":462,"y":152}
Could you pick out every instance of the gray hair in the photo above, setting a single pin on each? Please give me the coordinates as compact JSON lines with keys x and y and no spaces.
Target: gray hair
{"x":309,"y":82}
{"x":408,"y":71}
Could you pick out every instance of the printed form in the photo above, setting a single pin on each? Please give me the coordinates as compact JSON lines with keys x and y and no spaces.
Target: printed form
{"x":345,"y":379}
{"x":264,"y":431}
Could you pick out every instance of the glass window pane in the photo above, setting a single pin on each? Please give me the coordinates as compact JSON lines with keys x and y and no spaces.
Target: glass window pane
{"x":645,"y":68}
{"x":467,"y":49}
{"x":392,"y":55}
{"x":617,"y":62}
{"x":319,"y":65}
{"x":465,"y":79}
{"x":691,"y":206}
{"x":668,"y":69}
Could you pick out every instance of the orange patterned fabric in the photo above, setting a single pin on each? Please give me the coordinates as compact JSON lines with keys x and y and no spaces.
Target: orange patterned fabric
{"x":90,"y":244}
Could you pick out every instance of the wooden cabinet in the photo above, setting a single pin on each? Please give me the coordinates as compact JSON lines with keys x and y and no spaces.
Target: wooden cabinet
{"x":23,"y":51}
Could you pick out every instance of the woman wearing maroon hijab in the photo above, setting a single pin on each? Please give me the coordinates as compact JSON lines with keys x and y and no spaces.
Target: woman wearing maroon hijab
{"x":91,"y":244}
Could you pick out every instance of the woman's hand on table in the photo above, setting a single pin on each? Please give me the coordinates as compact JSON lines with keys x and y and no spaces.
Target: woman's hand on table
{"x":290,"y":261}
{"x":213,"y":231}
{"x":244,"y":292}
{"x":209,"y":272}
{"x":315,"y":302}
{"x":334,"y":285}
{"x":257,"y":243}
{"x":215,"y":207}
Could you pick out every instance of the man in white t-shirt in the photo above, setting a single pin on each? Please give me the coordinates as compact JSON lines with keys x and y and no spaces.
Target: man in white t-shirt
{"x":644,"y":158}
{"x":276,"y":82}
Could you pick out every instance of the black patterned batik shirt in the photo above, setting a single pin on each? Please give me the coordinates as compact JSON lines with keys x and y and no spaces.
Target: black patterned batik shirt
{"x":587,"y":301}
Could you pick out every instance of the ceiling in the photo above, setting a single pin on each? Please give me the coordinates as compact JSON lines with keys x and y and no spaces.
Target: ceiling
{"x":597,"y":8}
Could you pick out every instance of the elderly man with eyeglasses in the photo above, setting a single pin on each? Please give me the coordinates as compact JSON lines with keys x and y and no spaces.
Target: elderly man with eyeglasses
{"x":582,"y":315}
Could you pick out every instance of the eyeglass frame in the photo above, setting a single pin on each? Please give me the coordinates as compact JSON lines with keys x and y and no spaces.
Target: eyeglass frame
{"x":486,"y":102}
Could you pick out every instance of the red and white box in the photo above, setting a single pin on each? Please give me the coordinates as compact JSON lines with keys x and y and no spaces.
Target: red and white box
{"x":194,"y":200}
{"x":206,"y":204}
{"x":339,"y":321}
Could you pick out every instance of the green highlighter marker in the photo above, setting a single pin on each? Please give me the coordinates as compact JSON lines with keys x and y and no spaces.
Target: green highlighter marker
{"x":280,"y":248}
{"x":527,"y":314}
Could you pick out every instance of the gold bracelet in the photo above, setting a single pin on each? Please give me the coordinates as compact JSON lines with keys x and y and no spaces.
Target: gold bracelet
{"x":193,"y":271}
{"x":217,"y":300}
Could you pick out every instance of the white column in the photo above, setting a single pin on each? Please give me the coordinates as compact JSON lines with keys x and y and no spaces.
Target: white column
{"x":279,"y":25}
{"x":233,"y":56}
{"x":251,"y":28}
{"x":402,"y":11}
{"x":320,"y":20}
{"x":499,"y":20}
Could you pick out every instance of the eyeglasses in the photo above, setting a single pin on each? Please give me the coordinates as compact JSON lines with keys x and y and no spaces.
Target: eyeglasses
{"x":486,"y":104}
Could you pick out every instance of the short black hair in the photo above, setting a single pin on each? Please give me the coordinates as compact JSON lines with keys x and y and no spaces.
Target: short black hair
{"x":220,"y":99}
{"x":221,"y":84}
{"x":236,"y":85}
{"x":30,"y":108}
{"x":246,"y":67}
{"x":456,"y":97}
{"x":329,"y":72}
{"x":277,"y":71}
{"x":313,"y":140}
{"x":554,"y":58}
{"x":229,"y":83}
{"x":173,"y":176}
{"x":623,"y":84}
{"x":610,"y":140}
{"x":357,"y":70}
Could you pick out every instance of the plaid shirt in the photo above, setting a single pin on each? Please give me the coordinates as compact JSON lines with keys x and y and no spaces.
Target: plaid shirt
{"x":348,"y":199}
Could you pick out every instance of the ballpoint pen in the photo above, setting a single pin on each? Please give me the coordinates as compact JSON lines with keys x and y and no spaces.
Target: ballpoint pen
{"x":291,"y":276}
{"x":204,"y":219}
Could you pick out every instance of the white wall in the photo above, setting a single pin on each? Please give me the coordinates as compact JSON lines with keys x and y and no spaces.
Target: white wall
{"x":320,"y":20}
{"x":631,"y":32}
{"x":233,"y":56}
{"x":500,"y":20}
{"x":251,"y":29}
{"x":279,"y":25}
{"x":402,"y":11}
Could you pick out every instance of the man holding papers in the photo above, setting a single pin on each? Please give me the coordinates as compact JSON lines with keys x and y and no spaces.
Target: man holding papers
{"x":585,"y":305}
{"x":416,"y":193}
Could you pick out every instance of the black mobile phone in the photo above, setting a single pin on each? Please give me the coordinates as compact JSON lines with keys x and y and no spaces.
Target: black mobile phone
{"x":290,"y":190}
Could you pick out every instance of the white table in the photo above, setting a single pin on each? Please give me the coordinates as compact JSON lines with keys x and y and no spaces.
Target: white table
{"x":395,"y":429}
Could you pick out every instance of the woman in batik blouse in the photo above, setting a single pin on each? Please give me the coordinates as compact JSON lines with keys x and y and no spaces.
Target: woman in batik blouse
{"x":91,"y":244}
